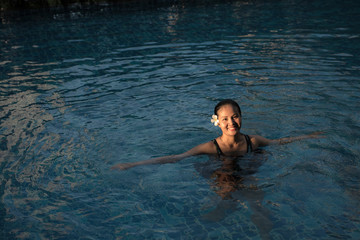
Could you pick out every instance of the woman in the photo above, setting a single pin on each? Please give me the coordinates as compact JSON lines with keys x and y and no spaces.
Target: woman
{"x":230,"y":177}
{"x":230,"y":145}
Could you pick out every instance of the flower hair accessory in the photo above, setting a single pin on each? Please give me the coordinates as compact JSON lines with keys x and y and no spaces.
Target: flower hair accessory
{"x":215,"y":120}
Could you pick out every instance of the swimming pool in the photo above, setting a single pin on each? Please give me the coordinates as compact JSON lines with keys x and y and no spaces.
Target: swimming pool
{"x":84,"y":90}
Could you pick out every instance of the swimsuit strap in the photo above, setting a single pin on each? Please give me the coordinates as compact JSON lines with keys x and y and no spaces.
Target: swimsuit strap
{"x":248,"y":143}
{"x":249,"y":146}
{"x":219,"y":152}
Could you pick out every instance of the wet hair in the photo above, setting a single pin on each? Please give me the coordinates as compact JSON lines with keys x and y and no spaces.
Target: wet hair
{"x":226,"y":102}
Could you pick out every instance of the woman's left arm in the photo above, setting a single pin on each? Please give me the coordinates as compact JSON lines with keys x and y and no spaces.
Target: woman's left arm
{"x":259,"y":141}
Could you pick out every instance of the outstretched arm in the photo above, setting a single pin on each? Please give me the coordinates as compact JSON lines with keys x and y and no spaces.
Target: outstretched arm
{"x":259,"y":141}
{"x":205,"y":148}
{"x":159,"y":160}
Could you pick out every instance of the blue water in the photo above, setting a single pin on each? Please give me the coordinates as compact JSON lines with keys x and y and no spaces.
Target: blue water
{"x":87,"y":89}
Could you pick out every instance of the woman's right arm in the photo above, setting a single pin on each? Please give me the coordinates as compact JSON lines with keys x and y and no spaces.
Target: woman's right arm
{"x":205,"y":148}
{"x":159,"y":160}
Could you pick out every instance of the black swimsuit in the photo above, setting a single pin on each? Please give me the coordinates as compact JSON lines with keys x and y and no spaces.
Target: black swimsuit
{"x":220,"y":153}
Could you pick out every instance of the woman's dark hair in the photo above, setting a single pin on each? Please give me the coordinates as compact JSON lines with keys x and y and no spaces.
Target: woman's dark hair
{"x":226,"y":102}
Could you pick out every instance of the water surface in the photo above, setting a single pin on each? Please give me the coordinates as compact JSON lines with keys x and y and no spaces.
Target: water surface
{"x":84,"y":90}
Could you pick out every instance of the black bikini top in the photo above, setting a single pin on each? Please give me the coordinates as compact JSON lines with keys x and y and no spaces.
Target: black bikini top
{"x":248,"y":142}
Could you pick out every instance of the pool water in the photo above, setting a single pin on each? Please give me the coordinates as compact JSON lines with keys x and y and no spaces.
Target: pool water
{"x":86,"y":89}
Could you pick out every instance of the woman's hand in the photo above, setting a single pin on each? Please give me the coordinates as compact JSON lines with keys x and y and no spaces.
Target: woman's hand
{"x":318,"y":134}
{"x":122,"y":166}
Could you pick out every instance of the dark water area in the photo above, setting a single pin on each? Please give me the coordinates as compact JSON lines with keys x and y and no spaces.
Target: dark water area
{"x":69,"y":5}
{"x":84,"y":89}
{"x":64,"y":4}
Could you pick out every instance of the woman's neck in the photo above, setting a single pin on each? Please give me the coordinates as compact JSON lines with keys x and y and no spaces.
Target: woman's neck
{"x":230,"y":140}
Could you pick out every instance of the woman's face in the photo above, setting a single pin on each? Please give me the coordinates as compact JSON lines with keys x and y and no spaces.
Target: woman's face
{"x":229,"y":119}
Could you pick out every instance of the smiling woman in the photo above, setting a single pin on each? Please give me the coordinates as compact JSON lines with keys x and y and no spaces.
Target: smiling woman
{"x":230,"y":145}
{"x":229,"y":150}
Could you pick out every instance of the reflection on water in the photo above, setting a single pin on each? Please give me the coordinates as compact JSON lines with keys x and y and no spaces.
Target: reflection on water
{"x":235,"y":182}
{"x":82,"y":91}
{"x":37,"y":163}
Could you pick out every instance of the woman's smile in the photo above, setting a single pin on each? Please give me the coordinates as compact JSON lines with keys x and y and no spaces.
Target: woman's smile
{"x":229,"y":119}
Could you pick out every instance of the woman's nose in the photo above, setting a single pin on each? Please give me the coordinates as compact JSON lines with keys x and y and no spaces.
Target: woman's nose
{"x":233,"y":122}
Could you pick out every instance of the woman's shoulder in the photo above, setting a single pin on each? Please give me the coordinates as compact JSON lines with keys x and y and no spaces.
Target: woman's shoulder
{"x":204,"y":148}
{"x":209,"y":146}
{"x":258,"y":141}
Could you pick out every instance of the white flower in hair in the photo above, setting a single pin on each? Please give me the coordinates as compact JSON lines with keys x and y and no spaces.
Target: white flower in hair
{"x":215,"y":120}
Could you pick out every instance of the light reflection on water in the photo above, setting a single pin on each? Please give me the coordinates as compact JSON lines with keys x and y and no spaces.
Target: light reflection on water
{"x":82,"y":92}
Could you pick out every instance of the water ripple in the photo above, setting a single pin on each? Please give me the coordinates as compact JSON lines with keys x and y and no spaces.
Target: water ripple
{"x":79,"y":96}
